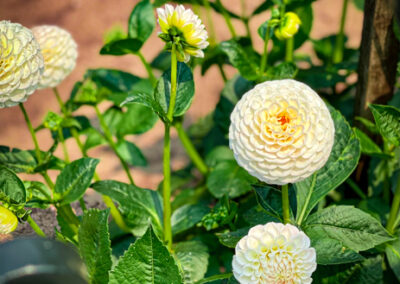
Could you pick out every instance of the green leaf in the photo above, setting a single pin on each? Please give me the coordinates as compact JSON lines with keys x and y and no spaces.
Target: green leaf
{"x":93,"y":139}
{"x":369,"y":125}
{"x":162,"y":61}
{"x":192,"y":257}
{"x":270,"y":199}
{"x":393,"y":256}
{"x":38,"y":195}
{"x":184,"y":90}
{"x":136,"y":120}
{"x":139,"y":206}
{"x":230,"y":239}
{"x":230,"y":179}
{"x":331,"y":251}
{"x":387,"y":119}
{"x":148,"y":100}
{"x":356,"y":229}
{"x":284,"y":70}
{"x":368,"y":146}
{"x":341,"y":163}
{"x":17,"y":160}
{"x":94,"y":245}
{"x":121,"y":47}
{"x":215,"y":278}
{"x":146,"y":261}
{"x":141,"y":21}
{"x":74,"y":179}
{"x":359,"y":4}
{"x":12,"y":189}
{"x":240,"y":59}
{"x":187,"y":216}
{"x":219,"y":154}
{"x":131,"y":153}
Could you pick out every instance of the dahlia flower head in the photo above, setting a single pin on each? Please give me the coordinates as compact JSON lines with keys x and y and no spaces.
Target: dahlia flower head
{"x":59,"y":51}
{"x":274,"y":254}
{"x":281,"y":132}
{"x":21,"y":64}
{"x":183,"y":28}
{"x":8,"y":221}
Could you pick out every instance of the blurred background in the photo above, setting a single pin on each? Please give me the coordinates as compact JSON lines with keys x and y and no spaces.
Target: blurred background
{"x":87,"y":21}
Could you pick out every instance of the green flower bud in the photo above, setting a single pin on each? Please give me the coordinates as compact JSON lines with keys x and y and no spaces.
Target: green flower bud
{"x":288,"y":27}
{"x":8,"y":221}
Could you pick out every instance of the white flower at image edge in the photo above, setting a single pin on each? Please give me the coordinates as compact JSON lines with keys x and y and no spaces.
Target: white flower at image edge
{"x":59,"y":51}
{"x":274,"y":254}
{"x":281,"y":132}
{"x":183,"y":23}
{"x":21,"y":64}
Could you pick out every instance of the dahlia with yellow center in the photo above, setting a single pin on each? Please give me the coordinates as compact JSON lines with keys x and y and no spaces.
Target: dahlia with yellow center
{"x":274,"y":254}
{"x":8,"y":221}
{"x":21,"y":64}
{"x":183,"y":28}
{"x":281,"y":132}
{"x":59,"y":51}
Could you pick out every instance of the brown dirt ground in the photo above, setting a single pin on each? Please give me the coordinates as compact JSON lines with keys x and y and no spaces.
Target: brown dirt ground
{"x":87,"y":21}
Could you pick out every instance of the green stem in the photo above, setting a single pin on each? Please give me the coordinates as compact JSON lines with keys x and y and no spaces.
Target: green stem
{"x":60,"y":101}
{"x":49,"y":182}
{"x":152,"y":78}
{"x":339,"y":43}
{"x":119,"y":220}
{"x":32,"y":132}
{"x":391,"y":224}
{"x":356,"y":188}
{"x":264,"y":58}
{"x":211,"y":30}
{"x":167,"y":187}
{"x":110,"y":140}
{"x":227,"y":18}
{"x":35,"y":227}
{"x":289,"y":49}
{"x":302,"y":214}
{"x":64,"y":146}
{"x":221,"y":70}
{"x":69,"y":216}
{"x":190,"y":149}
{"x":285,"y":204}
{"x":174,"y":66}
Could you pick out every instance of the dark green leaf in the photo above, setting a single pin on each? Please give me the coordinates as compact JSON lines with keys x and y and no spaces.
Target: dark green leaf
{"x":131,"y":153}
{"x":141,"y":21}
{"x":393,"y":255}
{"x":230,"y":239}
{"x":94,"y":245}
{"x":356,"y":229}
{"x":38,"y":195}
{"x":74,"y":179}
{"x":368,"y":146}
{"x":139,"y":206}
{"x":387,"y":119}
{"x":146,"y":261}
{"x":12,"y":189}
{"x":136,"y":120}
{"x":17,"y":160}
{"x":270,"y":200}
{"x":162,"y":61}
{"x":230,"y":179}
{"x":219,"y":154}
{"x":121,"y":47}
{"x":193,"y":259}
{"x":341,"y":163}
{"x":284,"y":70}
{"x":187,"y":216}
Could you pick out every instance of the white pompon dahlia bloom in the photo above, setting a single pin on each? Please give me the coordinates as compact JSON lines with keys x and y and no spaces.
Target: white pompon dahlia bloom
{"x":184,"y":28}
{"x":21,"y":64}
{"x":274,"y":254}
{"x":59,"y":51}
{"x":281,"y":132}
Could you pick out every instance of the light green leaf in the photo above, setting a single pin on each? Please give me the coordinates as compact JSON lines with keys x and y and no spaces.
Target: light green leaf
{"x":192,"y":257}
{"x":387,"y":119}
{"x":146,"y":261}
{"x":187,"y":216}
{"x":137,"y":119}
{"x":184,"y":90}
{"x":131,"y":153}
{"x":94,"y":245}
{"x":121,"y":47}
{"x":12,"y":189}
{"x":356,"y":229}
{"x":368,"y":146}
{"x":341,"y":163}
{"x":141,"y":21}
{"x":393,"y":255}
{"x":74,"y":179}
{"x":230,"y":179}
{"x":219,"y":154}
{"x":230,"y":239}
{"x":139,"y":206}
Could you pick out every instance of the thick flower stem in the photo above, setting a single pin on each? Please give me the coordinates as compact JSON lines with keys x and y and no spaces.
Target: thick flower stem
{"x":394,"y":210}
{"x":32,"y":132}
{"x":35,"y":227}
{"x":289,"y":49}
{"x":285,"y":204}
{"x":152,"y":78}
{"x":264,"y":58}
{"x":339,"y":43}
{"x":211,"y":30}
{"x":226,"y":17}
{"x":110,"y":140}
{"x":190,"y":149}
{"x":167,"y":152}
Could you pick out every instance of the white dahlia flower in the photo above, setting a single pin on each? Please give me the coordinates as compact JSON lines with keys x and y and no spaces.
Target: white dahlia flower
{"x":183,"y":28}
{"x":21,"y":64}
{"x":59,"y":51}
{"x":8,"y":221}
{"x":281,"y":132}
{"x":274,"y":254}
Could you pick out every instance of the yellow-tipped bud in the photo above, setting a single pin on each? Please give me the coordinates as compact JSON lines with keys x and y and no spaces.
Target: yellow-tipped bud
{"x":8,"y":221}
{"x":288,"y":26}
